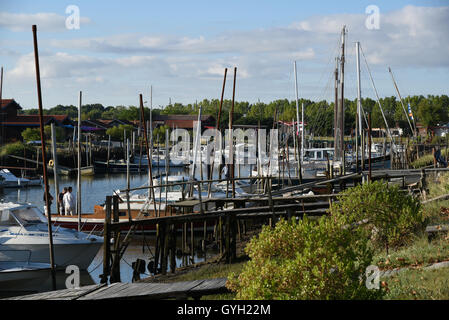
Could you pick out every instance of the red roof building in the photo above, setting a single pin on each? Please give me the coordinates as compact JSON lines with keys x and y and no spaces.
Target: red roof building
{"x":182,"y":121}
{"x":12,"y":123}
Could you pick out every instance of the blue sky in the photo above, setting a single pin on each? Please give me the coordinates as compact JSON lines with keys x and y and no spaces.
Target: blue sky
{"x":182,"y":48}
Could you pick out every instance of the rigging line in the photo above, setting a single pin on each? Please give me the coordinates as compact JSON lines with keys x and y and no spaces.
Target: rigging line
{"x":378,"y":100}
{"x":331,"y":60}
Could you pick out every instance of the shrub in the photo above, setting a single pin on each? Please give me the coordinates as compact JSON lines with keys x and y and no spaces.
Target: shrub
{"x":393,"y":216}
{"x":305,"y":260}
{"x":15,"y":148}
{"x":30,"y":134}
{"x":117,"y":133}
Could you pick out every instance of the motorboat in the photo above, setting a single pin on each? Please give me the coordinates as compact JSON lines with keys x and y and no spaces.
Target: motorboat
{"x":9,"y":180}
{"x":20,"y":277}
{"x":24,"y":237}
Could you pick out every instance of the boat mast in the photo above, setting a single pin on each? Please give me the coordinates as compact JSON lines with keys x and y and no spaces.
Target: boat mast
{"x":300,"y":156}
{"x":342,"y":97}
{"x":359,"y":128}
{"x":196,"y":145}
{"x":78,"y":194}
{"x":302,"y":133}
{"x":336,"y":144}
{"x":402,"y":104}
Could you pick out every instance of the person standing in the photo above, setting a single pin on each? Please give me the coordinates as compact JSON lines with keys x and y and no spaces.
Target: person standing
{"x":61,"y":201}
{"x":69,"y":202}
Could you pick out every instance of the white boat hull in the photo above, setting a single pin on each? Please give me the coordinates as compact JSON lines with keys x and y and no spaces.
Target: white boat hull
{"x":65,"y":254}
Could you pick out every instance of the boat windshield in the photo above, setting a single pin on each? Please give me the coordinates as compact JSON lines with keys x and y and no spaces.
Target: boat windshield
{"x":26,"y":216}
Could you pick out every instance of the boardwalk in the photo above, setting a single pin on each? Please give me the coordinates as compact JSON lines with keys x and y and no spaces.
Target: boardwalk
{"x":119,"y":290}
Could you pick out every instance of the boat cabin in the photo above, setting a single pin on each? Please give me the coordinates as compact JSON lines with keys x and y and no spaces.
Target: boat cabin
{"x":319,"y":154}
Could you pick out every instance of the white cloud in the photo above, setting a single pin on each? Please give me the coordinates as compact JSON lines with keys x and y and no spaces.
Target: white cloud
{"x":45,"y":21}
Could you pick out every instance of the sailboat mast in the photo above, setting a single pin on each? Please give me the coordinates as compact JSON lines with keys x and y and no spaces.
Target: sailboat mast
{"x":78,"y":193}
{"x":342,"y":97}
{"x":302,"y":133}
{"x":336,"y":109}
{"x":300,"y":156}
{"x":402,"y":104}
{"x":359,"y":128}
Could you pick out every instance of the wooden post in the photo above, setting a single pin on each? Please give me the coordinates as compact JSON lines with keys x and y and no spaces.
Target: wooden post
{"x":192,"y":243}
{"x":44,"y":158}
{"x":156,"y":249}
{"x":165,"y":249}
{"x":109,"y":150}
{"x":233,"y":238}
{"x":424,"y":183}
{"x":220,"y":234}
{"x":172,"y":248}
{"x":55,"y":165}
{"x":115,"y":271}
{"x":107,"y":241}
{"x":228,"y":237}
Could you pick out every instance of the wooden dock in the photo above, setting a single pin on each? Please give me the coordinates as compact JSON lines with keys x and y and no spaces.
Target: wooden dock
{"x":133,"y":291}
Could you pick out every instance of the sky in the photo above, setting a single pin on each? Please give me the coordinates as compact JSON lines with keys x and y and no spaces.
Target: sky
{"x":181,"y":48}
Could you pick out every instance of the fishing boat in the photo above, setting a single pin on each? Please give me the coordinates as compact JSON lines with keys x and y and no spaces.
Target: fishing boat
{"x":116,"y":166}
{"x":24,"y":237}
{"x":11,"y":181}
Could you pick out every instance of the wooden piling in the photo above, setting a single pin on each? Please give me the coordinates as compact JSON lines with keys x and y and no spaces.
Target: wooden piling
{"x":115,"y":270}
{"x":107,"y":241}
{"x":172,"y":248}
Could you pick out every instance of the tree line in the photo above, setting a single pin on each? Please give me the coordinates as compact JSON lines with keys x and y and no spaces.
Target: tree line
{"x":431,"y":110}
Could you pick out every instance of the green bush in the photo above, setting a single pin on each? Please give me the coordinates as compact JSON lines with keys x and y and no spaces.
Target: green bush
{"x":117,"y":133}
{"x":34,"y":134}
{"x":15,"y":148}
{"x":31,"y":134}
{"x":305,"y":260}
{"x":393,"y":216}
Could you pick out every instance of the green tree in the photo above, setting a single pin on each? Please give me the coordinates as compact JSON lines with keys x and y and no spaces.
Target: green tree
{"x":117,"y":133}
{"x":30,"y":134}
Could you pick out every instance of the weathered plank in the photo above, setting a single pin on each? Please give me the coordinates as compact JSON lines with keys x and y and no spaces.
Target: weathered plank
{"x":138,"y":290}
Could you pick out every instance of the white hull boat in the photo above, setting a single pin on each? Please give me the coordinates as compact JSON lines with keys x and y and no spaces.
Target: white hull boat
{"x":9,"y":180}
{"x":24,"y":237}
{"x":21,"y":276}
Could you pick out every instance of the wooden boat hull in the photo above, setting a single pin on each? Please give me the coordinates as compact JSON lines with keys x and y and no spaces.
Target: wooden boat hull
{"x":117,"y":168}
{"x":94,"y":222}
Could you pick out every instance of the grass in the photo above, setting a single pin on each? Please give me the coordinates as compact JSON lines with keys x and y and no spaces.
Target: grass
{"x":436,"y":211}
{"x":418,"y":285}
{"x":420,"y":253}
{"x":426,"y":160}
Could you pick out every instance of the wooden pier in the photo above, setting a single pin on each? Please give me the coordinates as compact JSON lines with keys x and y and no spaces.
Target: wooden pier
{"x":134,"y":291}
